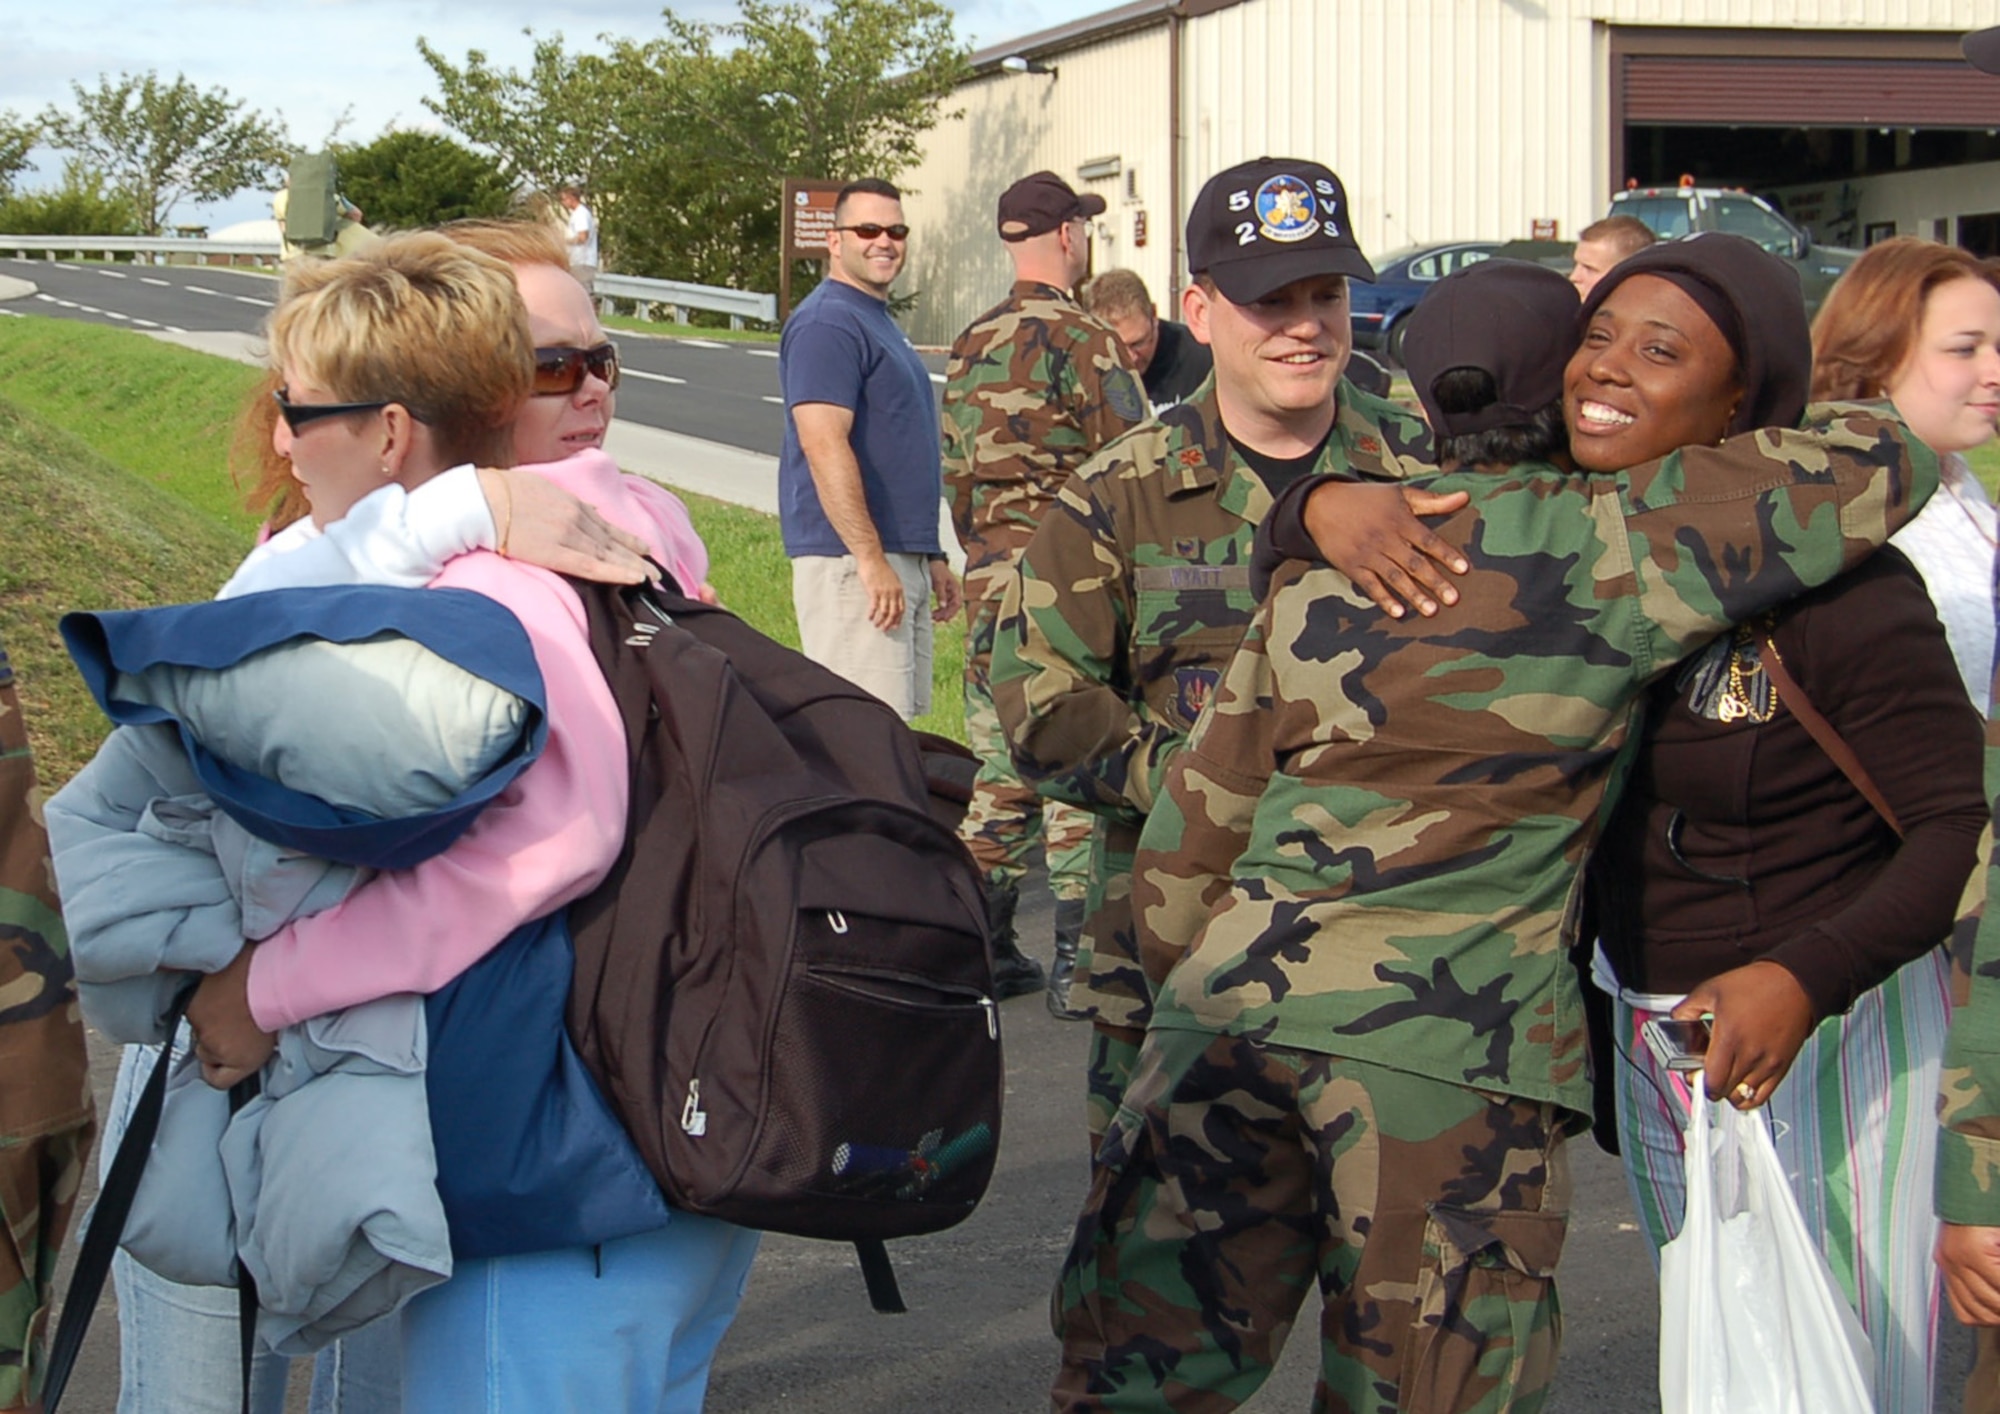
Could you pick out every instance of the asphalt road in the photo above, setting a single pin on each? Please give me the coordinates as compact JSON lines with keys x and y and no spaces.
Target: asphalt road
{"x":719,"y":391}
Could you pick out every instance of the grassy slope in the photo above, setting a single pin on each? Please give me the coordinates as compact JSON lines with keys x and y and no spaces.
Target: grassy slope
{"x":111,"y":464}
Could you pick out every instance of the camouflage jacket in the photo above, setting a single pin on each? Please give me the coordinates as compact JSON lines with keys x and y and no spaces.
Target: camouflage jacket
{"x":1372,"y":845}
{"x":1033,"y":389}
{"x":1968,"y":1161}
{"x":1131,"y":598}
{"x":46,"y":1114}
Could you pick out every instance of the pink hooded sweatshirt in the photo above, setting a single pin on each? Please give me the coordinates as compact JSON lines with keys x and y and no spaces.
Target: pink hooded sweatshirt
{"x":546,"y":841}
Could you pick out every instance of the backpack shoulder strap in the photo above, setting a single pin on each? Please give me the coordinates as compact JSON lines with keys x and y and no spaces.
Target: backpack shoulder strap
{"x":1822,"y":731}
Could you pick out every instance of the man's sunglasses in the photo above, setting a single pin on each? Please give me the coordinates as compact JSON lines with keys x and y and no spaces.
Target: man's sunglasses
{"x":560,"y":372}
{"x":298,"y":416}
{"x":869,"y":231}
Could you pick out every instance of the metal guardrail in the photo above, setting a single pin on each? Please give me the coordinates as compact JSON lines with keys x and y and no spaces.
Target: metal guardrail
{"x":739,"y":305}
{"x":158,"y":249}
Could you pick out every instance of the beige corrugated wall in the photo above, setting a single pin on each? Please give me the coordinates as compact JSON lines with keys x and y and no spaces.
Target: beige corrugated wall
{"x":1107,"y":99}
{"x":1447,"y":119}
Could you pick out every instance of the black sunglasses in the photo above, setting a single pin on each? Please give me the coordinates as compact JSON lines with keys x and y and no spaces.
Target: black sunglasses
{"x":560,"y":371}
{"x":869,"y":231}
{"x":299,"y":415}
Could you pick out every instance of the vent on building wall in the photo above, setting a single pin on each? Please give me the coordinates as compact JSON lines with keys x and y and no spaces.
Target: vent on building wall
{"x":1098,"y":168}
{"x":1131,"y":183}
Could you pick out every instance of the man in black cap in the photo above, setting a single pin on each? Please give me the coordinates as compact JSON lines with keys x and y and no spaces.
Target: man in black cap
{"x":1135,"y":589}
{"x":1034,"y":387}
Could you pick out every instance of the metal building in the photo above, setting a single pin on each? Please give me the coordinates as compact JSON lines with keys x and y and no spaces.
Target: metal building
{"x":1465,"y":119}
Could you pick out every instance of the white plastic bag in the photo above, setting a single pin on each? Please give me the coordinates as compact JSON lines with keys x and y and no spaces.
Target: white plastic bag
{"x":1751,"y":1320}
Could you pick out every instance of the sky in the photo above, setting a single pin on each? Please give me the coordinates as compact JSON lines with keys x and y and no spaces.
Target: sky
{"x":312,"y":60}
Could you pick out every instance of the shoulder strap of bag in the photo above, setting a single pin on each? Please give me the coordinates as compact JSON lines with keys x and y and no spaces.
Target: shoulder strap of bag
{"x":107,"y":1220}
{"x":1822,"y":731}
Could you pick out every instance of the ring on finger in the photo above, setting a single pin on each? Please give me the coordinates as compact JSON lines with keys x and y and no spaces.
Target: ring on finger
{"x":1746,"y":1092}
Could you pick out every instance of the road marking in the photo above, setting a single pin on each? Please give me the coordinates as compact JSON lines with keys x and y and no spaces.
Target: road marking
{"x":114,"y":314}
{"x":65,"y":304}
{"x":144,"y":323}
{"x":112,"y":274}
{"x":45,"y":296}
{"x":703,"y":344}
{"x":61,"y":265}
{"x":175,"y":329}
{"x":205,"y":290}
{"x":13,"y":313}
{"x":769,"y":399}
{"x":251,"y":299}
{"x":651,"y":377}
{"x":762,"y":353}
{"x":149,"y":280}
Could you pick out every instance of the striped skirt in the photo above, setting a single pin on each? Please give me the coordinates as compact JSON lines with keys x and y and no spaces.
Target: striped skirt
{"x":1855,"y":1127}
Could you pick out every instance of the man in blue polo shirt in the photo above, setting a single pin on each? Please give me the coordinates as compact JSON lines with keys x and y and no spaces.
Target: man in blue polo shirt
{"x":858,"y":479}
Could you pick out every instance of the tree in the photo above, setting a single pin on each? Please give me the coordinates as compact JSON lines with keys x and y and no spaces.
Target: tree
{"x":17,"y":137}
{"x":84,"y":205}
{"x":168,"y":142}
{"x":684,"y":140}
{"x":407,"y":179}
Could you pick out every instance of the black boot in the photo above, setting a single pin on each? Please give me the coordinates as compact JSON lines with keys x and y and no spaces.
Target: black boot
{"x":1069,"y":932}
{"x":1014,"y":974}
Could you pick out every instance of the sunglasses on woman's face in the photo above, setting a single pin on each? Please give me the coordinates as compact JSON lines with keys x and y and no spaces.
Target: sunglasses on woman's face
{"x":299,"y":416}
{"x":560,"y":372}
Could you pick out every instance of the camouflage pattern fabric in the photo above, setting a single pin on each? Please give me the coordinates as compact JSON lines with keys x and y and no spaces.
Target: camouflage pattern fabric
{"x":47,"y":1117}
{"x":1968,"y":1160}
{"x":1129,"y":602}
{"x":1107,"y":1070}
{"x":1237,"y":1173}
{"x":1371,"y":845}
{"x":1005,"y":818}
{"x":1033,"y":388}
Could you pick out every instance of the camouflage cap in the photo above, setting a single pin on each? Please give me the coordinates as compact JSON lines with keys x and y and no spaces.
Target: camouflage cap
{"x":1039,"y":203}
{"x":1261,"y":225}
{"x":1511,"y":319}
{"x":1981,"y":48}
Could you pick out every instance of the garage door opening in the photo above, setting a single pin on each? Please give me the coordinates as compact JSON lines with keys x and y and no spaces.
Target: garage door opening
{"x":1854,"y":136}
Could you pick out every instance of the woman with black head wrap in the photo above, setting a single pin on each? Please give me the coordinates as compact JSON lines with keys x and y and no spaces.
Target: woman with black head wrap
{"x":1746,"y":874}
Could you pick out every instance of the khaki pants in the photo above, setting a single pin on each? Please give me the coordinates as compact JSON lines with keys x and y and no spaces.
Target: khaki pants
{"x":834,"y":631}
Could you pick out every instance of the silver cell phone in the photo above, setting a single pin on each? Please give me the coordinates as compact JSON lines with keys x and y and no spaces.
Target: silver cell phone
{"x":1677,"y":1045}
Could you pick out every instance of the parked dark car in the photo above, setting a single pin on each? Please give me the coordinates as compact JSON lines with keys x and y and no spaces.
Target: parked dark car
{"x":1403,"y":277}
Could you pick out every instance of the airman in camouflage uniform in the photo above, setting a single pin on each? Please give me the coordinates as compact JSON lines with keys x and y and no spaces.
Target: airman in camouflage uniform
{"x":1131,"y":599}
{"x":1033,"y":389}
{"x":1136,"y":590}
{"x":46,"y":1114}
{"x":1356,"y":895}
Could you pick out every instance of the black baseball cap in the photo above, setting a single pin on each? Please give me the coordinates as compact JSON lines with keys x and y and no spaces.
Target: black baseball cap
{"x":1982,"y":49}
{"x":1261,"y":225}
{"x":1511,"y":319}
{"x":1039,"y":203}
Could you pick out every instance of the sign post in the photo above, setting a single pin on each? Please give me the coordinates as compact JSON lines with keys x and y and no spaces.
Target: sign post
{"x":807,"y":218}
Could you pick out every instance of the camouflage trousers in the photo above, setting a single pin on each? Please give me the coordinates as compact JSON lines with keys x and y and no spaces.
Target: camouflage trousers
{"x":1006,"y":817}
{"x":1114,"y":1050}
{"x":1238,"y":1172}
{"x":46,"y":1113}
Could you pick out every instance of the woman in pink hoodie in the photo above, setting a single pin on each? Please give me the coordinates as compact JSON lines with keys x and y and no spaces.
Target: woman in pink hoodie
{"x":392,"y":364}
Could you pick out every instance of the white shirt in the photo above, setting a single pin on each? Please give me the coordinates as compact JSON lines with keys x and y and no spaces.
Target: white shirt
{"x":1951,"y":542}
{"x":582,"y":223}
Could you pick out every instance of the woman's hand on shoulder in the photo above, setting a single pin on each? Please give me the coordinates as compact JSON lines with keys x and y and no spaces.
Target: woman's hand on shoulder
{"x":1369,"y":531}
{"x":228,"y":1042}
{"x":537,"y":522}
{"x":1761,"y":1018}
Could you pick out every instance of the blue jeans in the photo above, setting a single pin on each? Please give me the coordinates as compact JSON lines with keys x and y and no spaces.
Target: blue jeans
{"x":178,"y":1345}
{"x":627,"y":1327}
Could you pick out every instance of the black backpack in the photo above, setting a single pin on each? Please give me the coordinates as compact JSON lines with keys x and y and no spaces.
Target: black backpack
{"x":783,"y":987}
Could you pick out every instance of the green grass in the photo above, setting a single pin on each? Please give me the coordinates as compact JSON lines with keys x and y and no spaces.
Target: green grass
{"x":687,"y":331}
{"x":1985,"y":462}
{"x":112,"y":465}
{"x":82,"y":533}
{"x":162,"y":412}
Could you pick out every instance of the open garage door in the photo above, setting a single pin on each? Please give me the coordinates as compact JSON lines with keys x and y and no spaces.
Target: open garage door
{"x":1856,"y":135}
